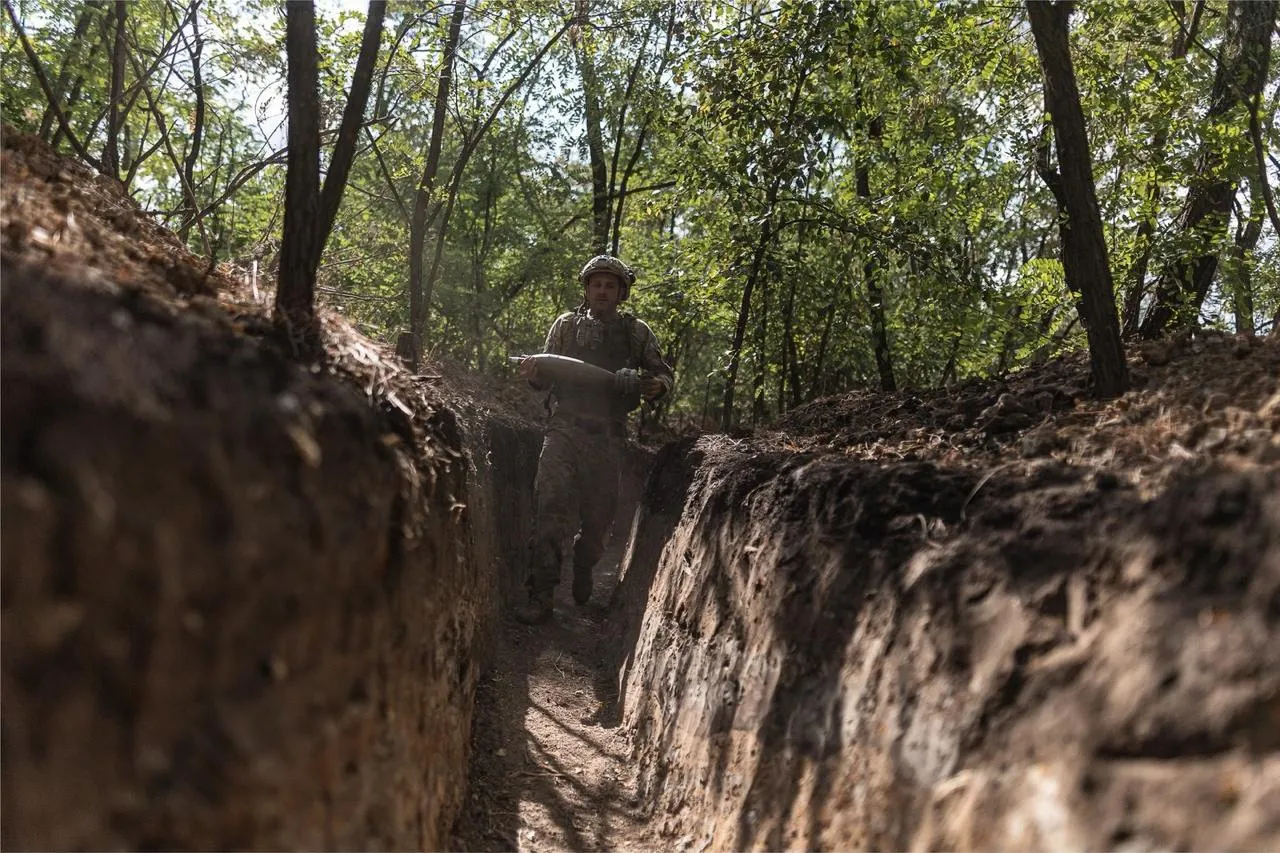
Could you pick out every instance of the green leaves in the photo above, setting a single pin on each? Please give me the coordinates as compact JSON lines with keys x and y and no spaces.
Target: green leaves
{"x":756,"y":120}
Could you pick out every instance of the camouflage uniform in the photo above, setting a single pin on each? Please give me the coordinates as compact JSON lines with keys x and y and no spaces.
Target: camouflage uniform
{"x":577,"y":483}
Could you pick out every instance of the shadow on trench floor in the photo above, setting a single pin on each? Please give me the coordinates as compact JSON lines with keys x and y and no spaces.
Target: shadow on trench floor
{"x":550,"y":767}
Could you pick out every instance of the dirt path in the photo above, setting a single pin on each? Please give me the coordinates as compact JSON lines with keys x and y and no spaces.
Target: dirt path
{"x":550,"y":767}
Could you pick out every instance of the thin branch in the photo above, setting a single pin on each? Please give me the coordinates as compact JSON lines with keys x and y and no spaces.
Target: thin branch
{"x":346,"y":294}
{"x":622,"y":122}
{"x":406,"y":24}
{"x":197,"y":85}
{"x":187,"y":190}
{"x":386,"y":173}
{"x":143,"y":156}
{"x":478,"y":132}
{"x":483,"y":71}
{"x":83,"y":22}
{"x":247,"y":172}
{"x":242,"y":177}
{"x":640,"y":138}
{"x":346,"y":262}
{"x":111,"y":151}
{"x":1189,"y":29}
{"x":1051,"y":177}
{"x":367,"y":193}
{"x":661,"y":185}
{"x":134,"y":89}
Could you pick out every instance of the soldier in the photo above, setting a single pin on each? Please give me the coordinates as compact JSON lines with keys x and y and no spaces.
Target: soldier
{"x":576,"y":488}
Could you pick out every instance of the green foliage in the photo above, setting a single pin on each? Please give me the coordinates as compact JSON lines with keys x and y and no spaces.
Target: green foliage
{"x":741,"y":129}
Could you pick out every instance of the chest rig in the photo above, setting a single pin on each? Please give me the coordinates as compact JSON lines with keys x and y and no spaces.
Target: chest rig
{"x":605,"y":343}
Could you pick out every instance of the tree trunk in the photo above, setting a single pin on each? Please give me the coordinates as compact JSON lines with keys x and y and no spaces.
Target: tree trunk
{"x":744,"y":309}
{"x":1238,"y":264}
{"x":1010,"y":344}
{"x":426,"y":184}
{"x":871,"y":277}
{"x":344,"y":150}
{"x":111,"y":150}
{"x":621,"y":186}
{"x":1084,"y":250}
{"x":758,"y":379}
{"x":948,"y":376}
{"x":819,"y":362}
{"x":73,"y":98}
{"x":788,"y":374}
{"x":1241,"y":74}
{"x":132,"y":92}
{"x":1051,"y":344}
{"x":757,"y":261}
{"x":464,"y":156}
{"x":1135,"y":287}
{"x":194,"y":48}
{"x":620,"y":132}
{"x":600,"y":203}
{"x":299,"y":250}
{"x":33,"y":59}
{"x":1264,"y":183}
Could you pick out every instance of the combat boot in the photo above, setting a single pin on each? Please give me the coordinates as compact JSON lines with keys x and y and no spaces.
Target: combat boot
{"x":537,"y":610}
{"x":581,"y":584}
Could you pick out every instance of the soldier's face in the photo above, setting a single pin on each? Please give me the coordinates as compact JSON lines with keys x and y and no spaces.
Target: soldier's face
{"x":602,"y":293}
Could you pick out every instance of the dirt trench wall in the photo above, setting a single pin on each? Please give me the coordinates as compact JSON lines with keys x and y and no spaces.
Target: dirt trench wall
{"x":502,"y":463}
{"x":842,"y":655}
{"x":241,"y":603}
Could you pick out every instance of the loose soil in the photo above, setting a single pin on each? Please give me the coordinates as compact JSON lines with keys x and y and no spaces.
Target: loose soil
{"x":989,"y":555}
{"x":550,"y":767}
{"x":239,"y":609}
{"x":998,"y":616}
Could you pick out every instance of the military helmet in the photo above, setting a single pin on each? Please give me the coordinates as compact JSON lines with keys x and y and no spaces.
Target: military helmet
{"x":610,"y":264}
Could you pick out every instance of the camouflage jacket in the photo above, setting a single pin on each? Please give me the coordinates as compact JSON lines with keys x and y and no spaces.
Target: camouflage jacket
{"x":621,"y":341}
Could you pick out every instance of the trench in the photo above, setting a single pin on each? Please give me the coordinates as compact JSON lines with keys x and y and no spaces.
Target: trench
{"x":256,"y":604}
{"x":251,"y":604}
{"x":803,"y":651}
{"x":820,"y":654}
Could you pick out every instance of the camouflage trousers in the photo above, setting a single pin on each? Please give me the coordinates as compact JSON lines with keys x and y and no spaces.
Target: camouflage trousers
{"x":575,"y":495}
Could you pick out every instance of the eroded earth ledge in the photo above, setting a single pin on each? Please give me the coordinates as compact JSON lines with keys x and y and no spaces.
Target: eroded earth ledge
{"x":839,"y":654}
{"x":245,"y":600}
{"x":239,"y":607}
